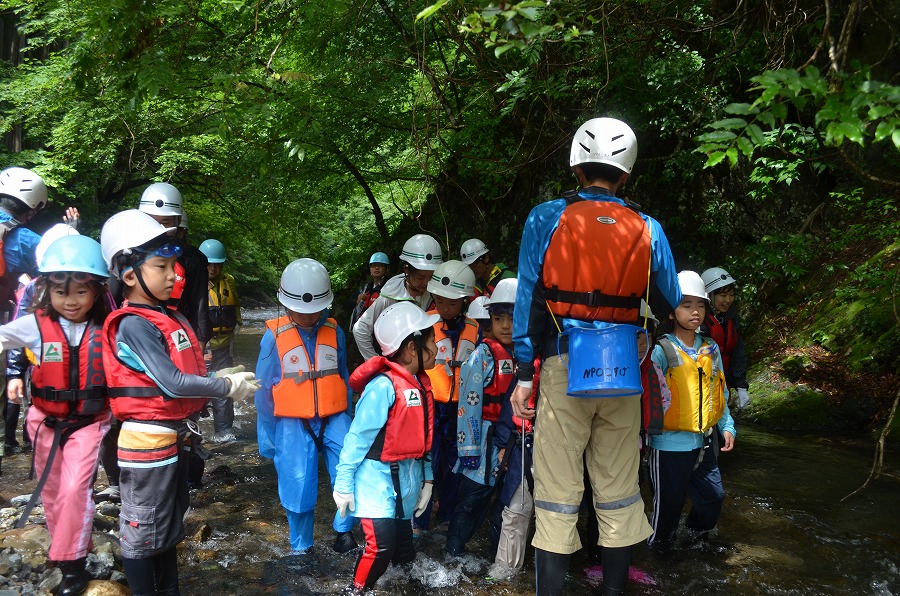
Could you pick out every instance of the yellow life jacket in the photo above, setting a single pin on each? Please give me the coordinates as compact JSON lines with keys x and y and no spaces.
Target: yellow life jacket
{"x":445,"y":374}
{"x":223,"y":305}
{"x":306,"y":390}
{"x":698,"y":388}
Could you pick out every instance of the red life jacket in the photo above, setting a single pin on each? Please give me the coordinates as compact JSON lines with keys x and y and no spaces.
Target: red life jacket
{"x":500,"y":387}
{"x":68,"y":381}
{"x":178,"y":288}
{"x":135,"y":395}
{"x":725,"y":335}
{"x":652,"y":412}
{"x":409,"y":429}
{"x":597,"y":265}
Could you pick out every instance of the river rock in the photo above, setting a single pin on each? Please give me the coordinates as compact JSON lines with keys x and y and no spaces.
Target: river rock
{"x":108,"y":508}
{"x":28,"y":539}
{"x":97,"y":587}
{"x":203,"y":533}
{"x":51,"y":579}
{"x":21,"y":500}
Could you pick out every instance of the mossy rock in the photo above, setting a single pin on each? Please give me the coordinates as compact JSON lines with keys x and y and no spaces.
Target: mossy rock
{"x":794,"y":365}
{"x":796,"y":408}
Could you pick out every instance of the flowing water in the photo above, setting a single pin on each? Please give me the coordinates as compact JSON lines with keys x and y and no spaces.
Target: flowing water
{"x":783,"y":529}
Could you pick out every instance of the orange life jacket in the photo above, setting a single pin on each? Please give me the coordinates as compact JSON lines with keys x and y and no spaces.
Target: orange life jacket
{"x":135,"y":395}
{"x":307,"y":390}
{"x":597,"y":265}
{"x":445,"y":374}
{"x":69,"y":380}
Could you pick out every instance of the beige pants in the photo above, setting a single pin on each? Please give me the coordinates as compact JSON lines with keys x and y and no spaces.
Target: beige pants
{"x":604,"y":433}
{"x":514,"y":531}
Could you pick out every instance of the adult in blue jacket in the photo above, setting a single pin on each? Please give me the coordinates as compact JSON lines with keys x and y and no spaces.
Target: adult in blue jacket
{"x":294,"y":442}
{"x":586,"y":261}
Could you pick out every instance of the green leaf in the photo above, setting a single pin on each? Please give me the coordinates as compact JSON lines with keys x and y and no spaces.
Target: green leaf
{"x":732,"y":155}
{"x":896,"y":138}
{"x":730,"y":123}
{"x":767,"y":118}
{"x":885,"y":129}
{"x":717,"y":136}
{"x":880,"y":111}
{"x":499,"y":50}
{"x":745,"y":146}
{"x":430,"y":10}
{"x":741,"y":109}
{"x":714,"y":159}
{"x":756,"y":135}
{"x":779,"y":110}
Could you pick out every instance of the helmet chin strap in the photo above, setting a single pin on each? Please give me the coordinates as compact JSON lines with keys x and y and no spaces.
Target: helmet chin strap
{"x":140,"y":278}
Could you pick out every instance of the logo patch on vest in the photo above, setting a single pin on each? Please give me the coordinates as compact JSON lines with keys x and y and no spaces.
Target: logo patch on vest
{"x":181,"y":340}
{"x":52,"y":351}
{"x":506,"y":367}
{"x":413,"y":399}
{"x":606,"y":220}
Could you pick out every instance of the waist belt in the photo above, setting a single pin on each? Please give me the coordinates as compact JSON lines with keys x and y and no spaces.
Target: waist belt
{"x":311,"y":375}
{"x":114,"y":392}
{"x":593,"y":299}
{"x":64,"y":395}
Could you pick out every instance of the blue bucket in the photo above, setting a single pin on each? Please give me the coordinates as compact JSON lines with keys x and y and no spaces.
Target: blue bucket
{"x":604,"y":362}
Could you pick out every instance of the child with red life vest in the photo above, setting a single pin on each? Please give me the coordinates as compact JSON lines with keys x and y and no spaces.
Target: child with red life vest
{"x":302,"y":404}
{"x":487,"y":379}
{"x":157,"y":386}
{"x":682,"y":459}
{"x":456,"y":336}
{"x":385,"y":474}
{"x":723,"y":325}
{"x":69,"y":412}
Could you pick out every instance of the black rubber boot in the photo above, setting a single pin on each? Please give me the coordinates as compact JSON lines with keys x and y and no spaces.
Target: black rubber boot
{"x":615,"y":570}
{"x":75,"y":577}
{"x":551,"y":569}
{"x":344,"y":543}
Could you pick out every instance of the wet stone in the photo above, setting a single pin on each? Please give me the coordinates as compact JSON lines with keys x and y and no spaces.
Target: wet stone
{"x":51,"y":579}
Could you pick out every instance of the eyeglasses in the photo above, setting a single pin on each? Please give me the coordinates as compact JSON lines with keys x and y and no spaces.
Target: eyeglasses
{"x":169,"y":249}
{"x":79,"y":277}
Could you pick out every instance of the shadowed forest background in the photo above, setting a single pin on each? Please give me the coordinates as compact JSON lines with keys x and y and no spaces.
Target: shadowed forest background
{"x":769,"y":142}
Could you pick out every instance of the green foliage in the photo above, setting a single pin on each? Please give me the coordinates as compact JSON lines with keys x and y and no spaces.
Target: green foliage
{"x":848,"y":107}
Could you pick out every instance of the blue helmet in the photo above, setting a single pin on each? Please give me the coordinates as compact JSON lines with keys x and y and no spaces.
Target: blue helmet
{"x":214,"y":250}
{"x":379,"y":258}
{"x":75,"y":254}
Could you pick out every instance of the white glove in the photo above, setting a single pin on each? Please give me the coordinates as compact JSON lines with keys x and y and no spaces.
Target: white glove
{"x":344,"y":501}
{"x":743,"y":399}
{"x":243,"y":385}
{"x":229,"y":371}
{"x":424,"y":498}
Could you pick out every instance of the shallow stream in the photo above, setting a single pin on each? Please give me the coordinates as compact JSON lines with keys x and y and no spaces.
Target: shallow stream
{"x":783,"y":530}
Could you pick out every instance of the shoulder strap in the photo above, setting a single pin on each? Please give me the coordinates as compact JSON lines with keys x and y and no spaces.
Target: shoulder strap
{"x":671,"y":352}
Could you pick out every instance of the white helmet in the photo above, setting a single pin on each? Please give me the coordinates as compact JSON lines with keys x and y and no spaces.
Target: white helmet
{"x":604,"y":140}
{"x":183,"y":223}
{"x":398,"y":321}
{"x":422,"y":252}
{"x":716,"y":278}
{"x":305,"y":287}
{"x":472,"y":249}
{"x":478,"y":309}
{"x":452,"y":279}
{"x":161,"y":198}
{"x":504,"y":292}
{"x":49,"y":237}
{"x":646,"y":313}
{"x":25,"y":186}
{"x":691,"y":284}
{"x":125,"y":231}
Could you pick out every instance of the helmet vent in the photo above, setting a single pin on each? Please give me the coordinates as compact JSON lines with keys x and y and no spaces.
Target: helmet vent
{"x":590,"y":134}
{"x":584,"y":147}
{"x":617,"y":151}
{"x":617,"y":137}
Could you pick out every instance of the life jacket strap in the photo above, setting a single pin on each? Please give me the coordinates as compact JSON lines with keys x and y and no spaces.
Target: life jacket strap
{"x":592,"y":299}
